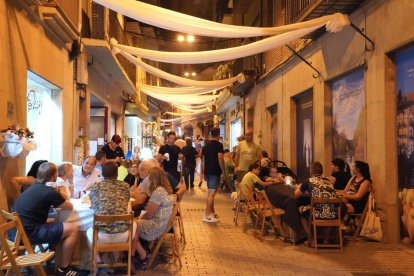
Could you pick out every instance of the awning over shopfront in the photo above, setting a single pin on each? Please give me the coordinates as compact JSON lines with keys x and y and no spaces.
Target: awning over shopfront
{"x":100,"y":52}
{"x":139,"y":110}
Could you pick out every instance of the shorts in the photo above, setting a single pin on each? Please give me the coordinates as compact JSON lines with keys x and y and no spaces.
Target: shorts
{"x":111,"y":238}
{"x":47,"y":233}
{"x":213,"y":181}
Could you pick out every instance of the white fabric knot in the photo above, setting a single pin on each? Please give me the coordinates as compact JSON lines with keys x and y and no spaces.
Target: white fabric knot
{"x":114,"y":49}
{"x":242,"y":78}
{"x":337,"y":22}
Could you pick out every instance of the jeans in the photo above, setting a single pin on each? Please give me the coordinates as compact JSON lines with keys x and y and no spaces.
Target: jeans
{"x":189,"y":173}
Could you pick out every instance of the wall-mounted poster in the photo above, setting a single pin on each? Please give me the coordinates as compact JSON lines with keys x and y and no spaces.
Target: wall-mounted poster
{"x":349,"y":130}
{"x":304,"y":134}
{"x":405,"y":142}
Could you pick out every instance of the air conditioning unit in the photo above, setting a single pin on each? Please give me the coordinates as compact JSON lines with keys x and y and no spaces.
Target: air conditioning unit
{"x":242,"y":89}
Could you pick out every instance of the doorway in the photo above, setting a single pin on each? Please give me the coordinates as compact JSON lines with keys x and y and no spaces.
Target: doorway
{"x":44,"y":117}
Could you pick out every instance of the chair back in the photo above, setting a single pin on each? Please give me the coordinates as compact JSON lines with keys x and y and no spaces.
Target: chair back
{"x":167,"y":231}
{"x":326,"y":208}
{"x":111,"y":247}
{"x":10,"y":249}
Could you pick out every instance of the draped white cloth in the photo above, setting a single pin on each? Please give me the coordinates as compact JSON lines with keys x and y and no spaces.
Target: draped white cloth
{"x":193,"y":107}
{"x":179,"y":22}
{"x":186,"y":114}
{"x":176,"y":79}
{"x":218,"y":55}
{"x":179,"y":99}
{"x":187,"y":90}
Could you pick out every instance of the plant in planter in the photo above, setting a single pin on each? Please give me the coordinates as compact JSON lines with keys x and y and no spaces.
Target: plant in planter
{"x":16,"y":141}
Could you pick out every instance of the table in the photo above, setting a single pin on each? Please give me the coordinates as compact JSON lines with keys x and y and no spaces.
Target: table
{"x":81,"y":216}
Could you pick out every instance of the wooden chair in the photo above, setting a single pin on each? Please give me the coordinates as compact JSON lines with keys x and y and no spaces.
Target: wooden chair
{"x":315,"y":222}
{"x":239,"y":204}
{"x":266,"y":210}
{"x":12,"y":253}
{"x":170,"y":232}
{"x":357,"y":219}
{"x":111,"y":247}
{"x":179,"y":219}
{"x":252,"y":207}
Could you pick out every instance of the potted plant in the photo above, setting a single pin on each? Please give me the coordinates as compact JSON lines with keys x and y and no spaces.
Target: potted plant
{"x":16,"y":141}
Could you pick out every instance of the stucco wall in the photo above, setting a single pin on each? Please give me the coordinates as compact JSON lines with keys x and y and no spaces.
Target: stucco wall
{"x":24,"y":46}
{"x":388,"y":24}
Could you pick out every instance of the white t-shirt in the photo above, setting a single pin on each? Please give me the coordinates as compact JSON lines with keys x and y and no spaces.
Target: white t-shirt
{"x":81,"y":183}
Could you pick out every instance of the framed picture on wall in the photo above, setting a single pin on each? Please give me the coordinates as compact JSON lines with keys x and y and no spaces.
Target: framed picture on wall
{"x":348,"y":115}
{"x":405,"y":141}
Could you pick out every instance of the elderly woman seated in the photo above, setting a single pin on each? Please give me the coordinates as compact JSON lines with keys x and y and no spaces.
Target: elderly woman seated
{"x":357,"y":191}
{"x":153,"y":222}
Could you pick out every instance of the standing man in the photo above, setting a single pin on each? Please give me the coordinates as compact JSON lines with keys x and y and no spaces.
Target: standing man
{"x":33,"y":208}
{"x":169,"y":154}
{"x":247,"y":153}
{"x":113,"y":151}
{"x":212,"y":167}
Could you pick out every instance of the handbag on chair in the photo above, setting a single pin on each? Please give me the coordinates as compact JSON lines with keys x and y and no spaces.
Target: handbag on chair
{"x":372,"y":229}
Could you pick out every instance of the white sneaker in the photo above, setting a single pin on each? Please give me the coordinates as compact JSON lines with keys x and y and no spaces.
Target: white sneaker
{"x":210,"y":219}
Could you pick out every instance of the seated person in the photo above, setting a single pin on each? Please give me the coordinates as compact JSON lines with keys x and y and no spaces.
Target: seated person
{"x":19,"y":184}
{"x":229,"y":168}
{"x":264,"y":159}
{"x":357,"y":191}
{"x":145,"y":192}
{"x":100,"y":157}
{"x":123,"y":169}
{"x":133,"y":178}
{"x":110,"y":197}
{"x":319,"y":187}
{"x":340,"y":174}
{"x":85,"y":176}
{"x":153,"y":222}
{"x":274,"y":176}
{"x":33,"y":208}
{"x":64,"y":181}
{"x":250,"y":179}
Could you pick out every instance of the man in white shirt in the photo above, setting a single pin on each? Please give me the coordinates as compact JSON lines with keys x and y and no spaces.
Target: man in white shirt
{"x":85,"y":176}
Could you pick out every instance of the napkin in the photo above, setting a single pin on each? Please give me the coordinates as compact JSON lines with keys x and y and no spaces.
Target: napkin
{"x":168,"y":156}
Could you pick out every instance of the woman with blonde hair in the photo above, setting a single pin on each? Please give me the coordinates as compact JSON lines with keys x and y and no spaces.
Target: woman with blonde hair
{"x":153,"y":222}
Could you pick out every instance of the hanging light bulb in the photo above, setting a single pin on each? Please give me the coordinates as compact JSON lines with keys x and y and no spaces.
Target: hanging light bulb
{"x":180,"y":38}
{"x":190,"y":38}
{"x":186,"y":74}
{"x":193,"y":74}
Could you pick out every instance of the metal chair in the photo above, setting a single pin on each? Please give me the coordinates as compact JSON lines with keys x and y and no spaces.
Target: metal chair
{"x":12,"y":252}
{"x":111,"y":247}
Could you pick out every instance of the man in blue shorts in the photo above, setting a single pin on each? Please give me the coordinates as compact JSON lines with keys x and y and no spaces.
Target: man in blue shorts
{"x":33,"y":208}
{"x":212,"y":166}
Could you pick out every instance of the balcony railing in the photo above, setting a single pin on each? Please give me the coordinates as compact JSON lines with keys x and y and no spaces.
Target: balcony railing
{"x":69,"y":7}
{"x":295,"y":9}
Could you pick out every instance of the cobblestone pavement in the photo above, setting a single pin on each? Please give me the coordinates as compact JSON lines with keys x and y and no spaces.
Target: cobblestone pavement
{"x":224,"y":249}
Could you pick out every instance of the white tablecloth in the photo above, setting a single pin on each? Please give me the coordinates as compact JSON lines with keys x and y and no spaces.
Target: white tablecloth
{"x":81,"y":215}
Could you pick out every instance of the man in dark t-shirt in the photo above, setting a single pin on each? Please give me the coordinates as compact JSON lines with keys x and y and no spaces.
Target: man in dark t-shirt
{"x":171,"y":160}
{"x":113,"y":151}
{"x":33,"y":208}
{"x":212,"y":168}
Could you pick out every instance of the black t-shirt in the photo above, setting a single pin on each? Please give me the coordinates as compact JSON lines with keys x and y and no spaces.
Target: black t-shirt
{"x":190,"y":156}
{"x":130,"y":179}
{"x":342,"y":179}
{"x":33,"y":205}
{"x":112,"y":154}
{"x":174,"y":182}
{"x":211,"y":161}
{"x":173,"y":151}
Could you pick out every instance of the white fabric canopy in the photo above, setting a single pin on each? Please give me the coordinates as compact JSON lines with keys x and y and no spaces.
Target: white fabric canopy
{"x":193,"y":108}
{"x":179,"y":22}
{"x":186,"y":114}
{"x":179,"y":80}
{"x":217,"y":55}
{"x":187,"y":90}
{"x":171,"y":120}
{"x":179,"y":99}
